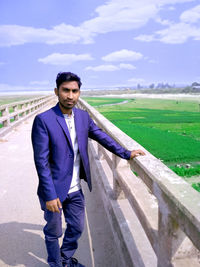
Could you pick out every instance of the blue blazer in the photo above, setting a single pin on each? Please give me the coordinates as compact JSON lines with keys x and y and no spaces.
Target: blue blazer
{"x":54,"y":155}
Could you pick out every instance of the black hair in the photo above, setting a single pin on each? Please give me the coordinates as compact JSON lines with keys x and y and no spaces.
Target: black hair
{"x":67,"y":77}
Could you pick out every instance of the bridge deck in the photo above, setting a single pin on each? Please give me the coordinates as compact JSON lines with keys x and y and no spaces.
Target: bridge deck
{"x":21,"y":220}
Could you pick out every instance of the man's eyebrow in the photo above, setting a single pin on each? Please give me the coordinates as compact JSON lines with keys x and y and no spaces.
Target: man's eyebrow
{"x":65,"y":88}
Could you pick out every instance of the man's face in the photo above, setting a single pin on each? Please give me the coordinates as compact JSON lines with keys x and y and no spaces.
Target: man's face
{"x":68,"y":95}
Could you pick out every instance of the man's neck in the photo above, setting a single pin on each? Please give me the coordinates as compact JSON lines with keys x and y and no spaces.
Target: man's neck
{"x":65,"y":110}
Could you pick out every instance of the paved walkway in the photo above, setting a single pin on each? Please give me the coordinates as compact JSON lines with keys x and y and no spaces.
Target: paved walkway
{"x":21,"y":220}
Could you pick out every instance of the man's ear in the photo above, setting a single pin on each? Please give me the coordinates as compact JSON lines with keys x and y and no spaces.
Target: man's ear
{"x":56,"y":91}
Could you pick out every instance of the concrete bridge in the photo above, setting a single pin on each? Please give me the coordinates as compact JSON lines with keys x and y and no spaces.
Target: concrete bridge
{"x":148,"y":220}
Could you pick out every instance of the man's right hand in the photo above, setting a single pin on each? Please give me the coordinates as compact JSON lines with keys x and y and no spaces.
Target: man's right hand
{"x":54,"y":205}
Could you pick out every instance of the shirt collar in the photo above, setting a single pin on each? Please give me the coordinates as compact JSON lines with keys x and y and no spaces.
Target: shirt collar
{"x":69,"y":117}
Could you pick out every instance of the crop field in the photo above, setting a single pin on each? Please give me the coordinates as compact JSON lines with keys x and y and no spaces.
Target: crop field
{"x":98,"y":101}
{"x":169,"y":129}
{"x":8,"y":99}
{"x":5,"y":99}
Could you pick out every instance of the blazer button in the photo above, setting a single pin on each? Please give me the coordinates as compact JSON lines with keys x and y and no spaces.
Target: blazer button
{"x":70,"y":156}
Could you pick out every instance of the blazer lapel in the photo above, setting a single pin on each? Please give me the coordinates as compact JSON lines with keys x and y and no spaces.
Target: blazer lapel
{"x":61,"y":120}
{"x":78,"y":125}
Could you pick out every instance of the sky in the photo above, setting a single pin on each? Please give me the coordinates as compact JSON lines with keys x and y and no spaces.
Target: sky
{"x":109,"y":44}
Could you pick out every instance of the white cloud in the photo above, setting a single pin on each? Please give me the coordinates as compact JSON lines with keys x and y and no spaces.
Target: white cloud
{"x":18,"y":35}
{"x":111,"y":67}
{"x":177,"y":33}
{"x":191,"y":16}
{"x":127,"y":66}
{"x":64,"y":59}
{"x":103,"y":68}
{"x":163,"y":21}
{"x":114,"y":15}
{"x":117,"y":15}
{"x":145,"y":38}
{"x":122,"y":55}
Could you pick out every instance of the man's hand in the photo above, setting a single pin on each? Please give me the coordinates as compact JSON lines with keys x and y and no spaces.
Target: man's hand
{"x":135,"y":153}
{"x":54,"y":205}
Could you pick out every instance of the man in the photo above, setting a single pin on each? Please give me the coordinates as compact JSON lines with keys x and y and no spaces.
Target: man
{"x":60,"y":144}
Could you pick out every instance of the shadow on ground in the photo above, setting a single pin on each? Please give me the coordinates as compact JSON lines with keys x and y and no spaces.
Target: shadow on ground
{"x":22,"y":244}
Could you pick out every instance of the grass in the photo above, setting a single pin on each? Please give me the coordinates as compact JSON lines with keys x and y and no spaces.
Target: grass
{"x":169,"y":129}
{"x":98,"y":101}
{"x":165,"y":145}
{"x":186,"y":172}
{"x":15,"y":98}
{"x":196,"y":186}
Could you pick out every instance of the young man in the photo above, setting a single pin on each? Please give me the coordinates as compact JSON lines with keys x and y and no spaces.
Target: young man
{"x":60,"y":144}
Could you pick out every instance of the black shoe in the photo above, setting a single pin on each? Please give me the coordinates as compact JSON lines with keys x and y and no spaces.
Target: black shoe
{"x":72,"y":262}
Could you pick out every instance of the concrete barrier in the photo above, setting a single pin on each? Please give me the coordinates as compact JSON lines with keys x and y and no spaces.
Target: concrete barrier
{"x":154,"y":216}
{"x":20,"y":111}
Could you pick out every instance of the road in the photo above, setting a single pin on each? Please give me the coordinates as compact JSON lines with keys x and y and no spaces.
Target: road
{"x":21,"y":220}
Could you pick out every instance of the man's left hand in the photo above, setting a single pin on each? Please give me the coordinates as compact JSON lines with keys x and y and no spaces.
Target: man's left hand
{"x":135,"y":153}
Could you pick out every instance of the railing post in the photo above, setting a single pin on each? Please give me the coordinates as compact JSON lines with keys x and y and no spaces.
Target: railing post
{"x":15,"y":108}
{"x":5,"y":112}
{"x":100,"y":153}
{"x":165,"y":208}
{"x":170,"y":236}
{"x":6,"y":123}
{"x":166,"y":234}
{"x":23,"y":114}
{"x":117,"y":191}
{"x":16,"y":117}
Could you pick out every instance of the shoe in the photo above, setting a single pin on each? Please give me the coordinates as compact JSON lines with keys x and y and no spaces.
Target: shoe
{"x":72,"y":262}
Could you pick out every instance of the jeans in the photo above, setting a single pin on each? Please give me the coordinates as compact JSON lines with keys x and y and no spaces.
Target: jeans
{"x":73,"y":208}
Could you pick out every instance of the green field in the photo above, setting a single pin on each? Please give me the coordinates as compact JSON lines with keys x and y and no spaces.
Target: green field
{"x":8,"y":99}
{"x":169,"y":129}
{"x":15,"y":98}
{"x":98,"y":101}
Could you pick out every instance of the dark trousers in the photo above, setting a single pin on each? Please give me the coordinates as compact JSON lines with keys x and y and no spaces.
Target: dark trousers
{"x":74,"y":213}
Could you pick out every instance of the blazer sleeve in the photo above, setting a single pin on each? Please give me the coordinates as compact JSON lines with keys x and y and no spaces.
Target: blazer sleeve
{"x":106,"y":141}
{"x":40,"y":142}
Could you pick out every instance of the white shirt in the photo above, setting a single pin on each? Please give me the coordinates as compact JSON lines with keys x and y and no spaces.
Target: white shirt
{"x":75,"y":183}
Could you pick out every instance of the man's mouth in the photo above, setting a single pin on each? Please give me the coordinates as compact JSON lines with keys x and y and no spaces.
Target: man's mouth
{"x":69,"y":102}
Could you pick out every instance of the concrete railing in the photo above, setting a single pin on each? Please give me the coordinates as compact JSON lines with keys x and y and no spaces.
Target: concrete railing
{"x":154,"y":216}
{"x":14,"y":113}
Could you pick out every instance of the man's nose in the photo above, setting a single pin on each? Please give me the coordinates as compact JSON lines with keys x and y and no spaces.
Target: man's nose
{"x":70,"y":94}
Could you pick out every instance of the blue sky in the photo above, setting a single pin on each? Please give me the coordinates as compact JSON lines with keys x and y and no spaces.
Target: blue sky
{"x":108,"y":44}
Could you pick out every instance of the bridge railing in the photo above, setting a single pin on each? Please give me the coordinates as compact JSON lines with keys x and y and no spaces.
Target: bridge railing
{"x":154,"y":214}
{"x":13,"y":113}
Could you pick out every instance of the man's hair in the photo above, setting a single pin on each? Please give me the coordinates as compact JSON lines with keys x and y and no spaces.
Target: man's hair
{"x":67,"y":77}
